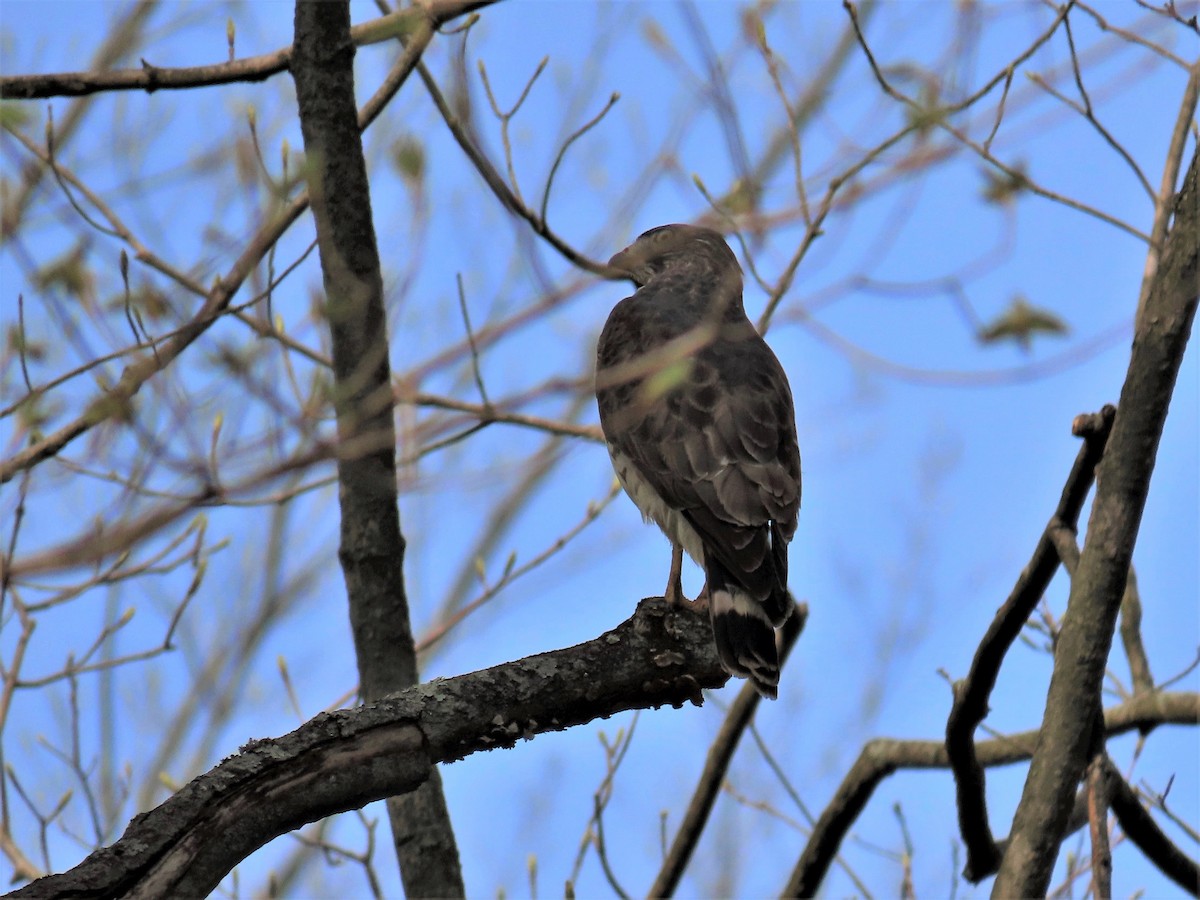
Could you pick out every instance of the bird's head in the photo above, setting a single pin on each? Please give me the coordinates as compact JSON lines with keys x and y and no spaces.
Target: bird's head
{"x":667,"y":246}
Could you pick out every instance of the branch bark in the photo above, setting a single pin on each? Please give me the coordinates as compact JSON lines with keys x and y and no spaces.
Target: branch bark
{"x":346,"y":759}
{"x":1122,"y":482}
{"x":372,"y":546}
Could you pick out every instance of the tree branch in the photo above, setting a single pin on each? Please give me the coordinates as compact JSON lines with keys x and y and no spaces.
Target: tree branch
{"x":971,"y":694}
{"x":343,"y":760}
{"x":882,"y":756}
{"x":116,"y":401}
{"x":502,"y":191}
{"x":720,"y":754}
{"x":150,"y":78}
{"x":1140,"y":827}
{"x":372,"y":546}
{"x":1123,"y":481}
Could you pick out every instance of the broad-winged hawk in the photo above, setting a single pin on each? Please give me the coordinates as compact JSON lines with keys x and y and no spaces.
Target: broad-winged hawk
{"x":698,"y":417}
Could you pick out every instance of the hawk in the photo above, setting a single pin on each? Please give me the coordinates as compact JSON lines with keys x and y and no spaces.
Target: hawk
{"x":697,"y":414}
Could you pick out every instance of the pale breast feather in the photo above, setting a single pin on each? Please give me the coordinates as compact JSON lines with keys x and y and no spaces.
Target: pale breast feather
{"x":654,"y":508}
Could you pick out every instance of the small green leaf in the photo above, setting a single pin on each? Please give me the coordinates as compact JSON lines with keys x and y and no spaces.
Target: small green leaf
{"x":928,"y":112}
{"x":408,"y":156}
{"x":13,"y":115}
{"x":1004,"y":187}
{"x":665,"y":380}
{"x":68,"y":273}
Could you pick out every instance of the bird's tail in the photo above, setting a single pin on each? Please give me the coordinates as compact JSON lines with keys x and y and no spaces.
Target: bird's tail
{"x":744,"y":630}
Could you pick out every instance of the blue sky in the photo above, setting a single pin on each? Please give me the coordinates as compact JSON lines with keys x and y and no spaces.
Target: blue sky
{"x":925,"y":489}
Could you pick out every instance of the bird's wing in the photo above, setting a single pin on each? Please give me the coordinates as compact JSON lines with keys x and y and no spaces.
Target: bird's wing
{"x":718,"y":443}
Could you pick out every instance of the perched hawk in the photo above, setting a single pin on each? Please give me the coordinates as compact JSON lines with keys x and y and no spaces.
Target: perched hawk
{"x":698,"y":417}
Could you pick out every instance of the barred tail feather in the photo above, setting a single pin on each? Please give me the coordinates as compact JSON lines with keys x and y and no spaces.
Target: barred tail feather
{"x":745,"y":637}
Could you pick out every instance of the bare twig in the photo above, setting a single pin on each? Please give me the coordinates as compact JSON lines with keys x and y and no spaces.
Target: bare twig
{"x":475,"y":370}
{"x":512,"y":573}
{"x":1127,"y":35}
{"x":501,"y":190}
{"x":1131,"y":636}
{"x":1166,"y":190}
{"x":506,"y":117}
{"x":614,"y":755}
{"x":572,"y":138}
{"x":941,"y":120}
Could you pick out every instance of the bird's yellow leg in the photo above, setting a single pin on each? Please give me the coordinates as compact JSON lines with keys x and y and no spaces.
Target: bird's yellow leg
{"x":674,"y":592}
{"x":700,"y":604}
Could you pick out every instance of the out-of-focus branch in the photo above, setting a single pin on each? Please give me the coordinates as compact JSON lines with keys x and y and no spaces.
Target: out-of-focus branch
{"x":150,"y":78}
{"x":343,"y":760}
{"x":971,"y":693}
{"x":119,"y":42}
{"x":1123,"y":481}
{"x":881,"y":757}
{"x":487,"y":413}
{"x":939,"y":117}
{"x":115,"y":401}
{"x":1131,"y":636}
{"x":372,"y":547}
{"x":720,"y":754}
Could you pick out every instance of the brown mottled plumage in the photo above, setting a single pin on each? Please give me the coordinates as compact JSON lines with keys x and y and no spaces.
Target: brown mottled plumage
{"x":698,"y":417}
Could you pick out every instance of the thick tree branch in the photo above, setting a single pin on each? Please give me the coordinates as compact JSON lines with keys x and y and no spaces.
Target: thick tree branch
{"x":971,"y":694}
{"x":343,"y":760}
{"x":1122,"y":482}
{"x":372,"y":547}
{"x":883,"y":756}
